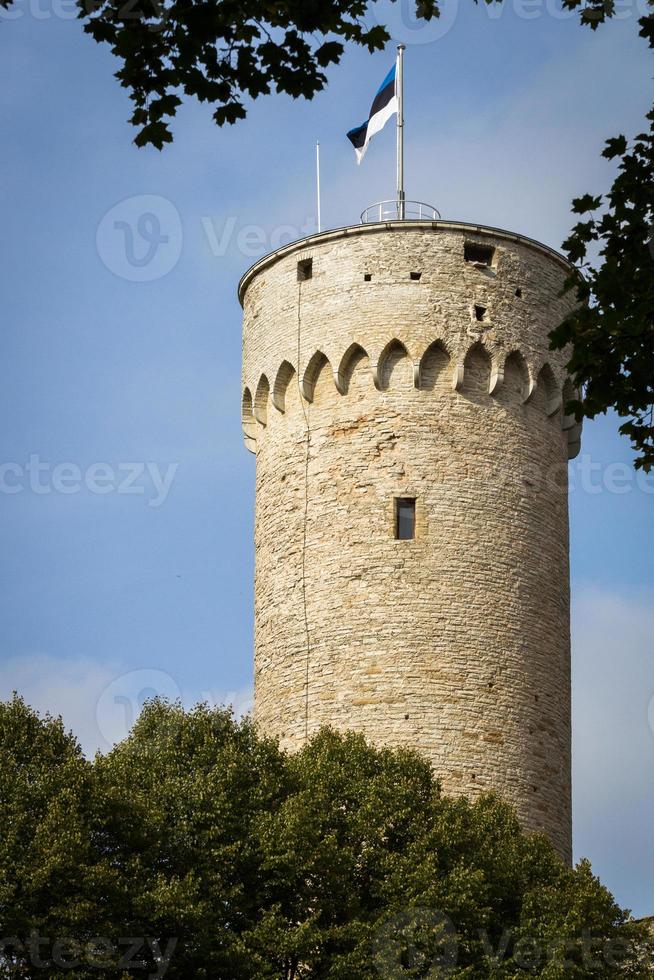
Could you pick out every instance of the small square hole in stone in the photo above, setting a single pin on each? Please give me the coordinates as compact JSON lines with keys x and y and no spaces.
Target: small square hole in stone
{"x":367,"y":277}
{"x":479,"y":255}
{"x":415,"y":276}
{"x":480,"y":313}
{"x":304,"y":270}
{"x":518,"y":293}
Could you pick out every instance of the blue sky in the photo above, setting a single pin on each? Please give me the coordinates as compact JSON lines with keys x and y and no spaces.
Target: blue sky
{"x":108,"y":596}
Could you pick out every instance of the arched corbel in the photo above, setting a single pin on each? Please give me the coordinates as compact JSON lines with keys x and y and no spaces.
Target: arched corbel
{"x":457,"y":376}
{"x":340,"y":381}
{"x":496,"y":378}
{"x":310,"y":376}
{"x":574,"y":441}
{"x":531,"y":385}
{"x":553,"y":404}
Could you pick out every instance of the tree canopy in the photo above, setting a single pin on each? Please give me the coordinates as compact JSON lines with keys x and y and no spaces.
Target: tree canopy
{"x":196,"y":848}
{"x":224,"y":52}
{"x":611,"y":333}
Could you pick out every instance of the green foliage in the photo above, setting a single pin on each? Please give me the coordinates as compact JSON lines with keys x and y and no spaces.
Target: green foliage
{"x":50,"y":875}
{"x":223,"y":857}
{"x":223,"y":52}
{"x":177,"y":801}
{"x":611,"y":332}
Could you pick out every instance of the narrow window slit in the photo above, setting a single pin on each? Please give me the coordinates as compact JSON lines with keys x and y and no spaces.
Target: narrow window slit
{"x":405,"y":518}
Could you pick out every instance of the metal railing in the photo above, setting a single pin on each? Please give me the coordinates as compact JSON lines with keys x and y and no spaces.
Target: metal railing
{"x":399,"y":211}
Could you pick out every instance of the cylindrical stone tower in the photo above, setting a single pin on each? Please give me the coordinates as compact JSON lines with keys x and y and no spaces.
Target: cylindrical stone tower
{"x":411,"y":529}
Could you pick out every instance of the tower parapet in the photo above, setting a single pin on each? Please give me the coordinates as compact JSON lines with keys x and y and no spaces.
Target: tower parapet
{"x":401,"y":371}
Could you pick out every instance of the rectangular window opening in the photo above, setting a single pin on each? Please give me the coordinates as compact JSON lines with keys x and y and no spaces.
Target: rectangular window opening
{"x":415,"y":276}
{"x":405,"y":518}
{"x":480,"y":313}
{"x":304,"y":270}
{"x":480,"y":255}
{"x":367,"y":277}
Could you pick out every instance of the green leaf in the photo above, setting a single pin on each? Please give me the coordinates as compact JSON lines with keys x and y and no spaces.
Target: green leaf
{"x":588,"y":202}
{"x":154,"y":134}
{"x":616,"y":146}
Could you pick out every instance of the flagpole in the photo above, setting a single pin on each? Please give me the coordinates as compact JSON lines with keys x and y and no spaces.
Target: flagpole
{"x":400,"y":132}
{"x":318,"y":184}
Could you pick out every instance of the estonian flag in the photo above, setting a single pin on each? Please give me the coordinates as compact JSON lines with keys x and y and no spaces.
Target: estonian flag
{"x":383,"y":106}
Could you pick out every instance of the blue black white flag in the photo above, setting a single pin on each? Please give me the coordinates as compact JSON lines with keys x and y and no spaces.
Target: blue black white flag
{"x":383,"y":106}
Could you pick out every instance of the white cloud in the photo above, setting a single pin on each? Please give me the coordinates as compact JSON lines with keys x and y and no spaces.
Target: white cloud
{"x":100,"y":702}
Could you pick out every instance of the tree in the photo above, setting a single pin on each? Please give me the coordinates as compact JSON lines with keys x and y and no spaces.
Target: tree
{"x":611,"y":332}
{"x":50,"y":874}
{"x":223,"y":857}
{"x":224,"y":51}
{"x":178,"y":801}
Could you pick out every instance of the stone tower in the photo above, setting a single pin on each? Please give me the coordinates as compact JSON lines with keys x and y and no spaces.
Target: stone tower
{"x":411,"y":529}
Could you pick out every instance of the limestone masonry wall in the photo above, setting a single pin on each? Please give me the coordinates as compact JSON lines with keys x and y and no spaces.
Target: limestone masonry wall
{"x":406,"y":363}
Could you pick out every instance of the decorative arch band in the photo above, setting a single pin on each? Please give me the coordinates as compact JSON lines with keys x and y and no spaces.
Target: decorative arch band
{"x":505,"y":376}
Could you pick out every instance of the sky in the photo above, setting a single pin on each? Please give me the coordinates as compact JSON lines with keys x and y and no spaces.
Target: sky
{"x":125,"y":491}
